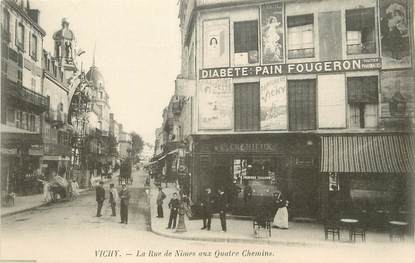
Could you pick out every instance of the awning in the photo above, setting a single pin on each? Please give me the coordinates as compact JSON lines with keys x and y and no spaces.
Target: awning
{"x":368,"y":154}
{"x":169,"y":153}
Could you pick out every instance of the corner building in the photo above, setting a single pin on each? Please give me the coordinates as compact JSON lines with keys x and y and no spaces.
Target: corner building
{"x":311,"y":98}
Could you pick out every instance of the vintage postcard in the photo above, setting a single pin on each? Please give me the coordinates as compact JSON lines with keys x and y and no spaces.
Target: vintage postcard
{"x":207,"y":131}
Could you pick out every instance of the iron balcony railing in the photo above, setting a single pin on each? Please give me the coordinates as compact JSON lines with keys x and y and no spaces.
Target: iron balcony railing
{"x":26,"y":95}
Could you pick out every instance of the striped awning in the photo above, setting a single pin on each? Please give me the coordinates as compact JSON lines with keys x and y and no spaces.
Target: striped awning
{"x":368,"y":154}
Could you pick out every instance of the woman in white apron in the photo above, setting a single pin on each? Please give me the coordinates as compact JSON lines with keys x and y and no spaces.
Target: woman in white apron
{"x":281,"y":217}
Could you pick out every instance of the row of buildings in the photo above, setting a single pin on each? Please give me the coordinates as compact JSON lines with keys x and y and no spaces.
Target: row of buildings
{"x":40,"y":95}
{"x":311,"y":98}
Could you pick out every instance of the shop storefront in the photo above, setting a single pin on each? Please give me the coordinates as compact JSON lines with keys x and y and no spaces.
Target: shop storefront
{"x":252,"y":167}
{"x":368,"y":176}
{"x":20,"y":158}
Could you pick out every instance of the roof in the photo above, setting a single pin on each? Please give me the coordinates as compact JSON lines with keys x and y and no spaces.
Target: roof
{"x":95,"y":76}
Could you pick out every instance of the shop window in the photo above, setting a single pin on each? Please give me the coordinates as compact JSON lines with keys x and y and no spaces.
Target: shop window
{"x":300,"y":36}
{"x":363,"y":101}
{"x":246,"y":42}
{"x":247,"y":112}
{"x":33,"y":47}
{"x":302,"y":104}
{"x":360,"y":31}
{"x":20,"y":32}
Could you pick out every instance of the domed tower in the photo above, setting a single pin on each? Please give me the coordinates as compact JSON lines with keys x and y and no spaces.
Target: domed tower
{"x":100,"y":103}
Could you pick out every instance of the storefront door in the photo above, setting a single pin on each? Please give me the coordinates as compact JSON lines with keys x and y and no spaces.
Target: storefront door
{"x":304,"y":194}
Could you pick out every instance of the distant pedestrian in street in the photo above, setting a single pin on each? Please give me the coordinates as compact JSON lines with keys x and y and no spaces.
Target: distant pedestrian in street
{"x":124,"y":202}
{"x":100,"y":197}
{"x":160,"y":197}
{"x":174,"y":207}
{"x":206,"y":204}
{"x":74,"y":189}
{"x":281,"y":217}
{"x":222,"y":207}
{"x":113,"y":199}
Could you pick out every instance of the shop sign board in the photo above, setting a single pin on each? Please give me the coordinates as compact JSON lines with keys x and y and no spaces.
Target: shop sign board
{"x":273,"y":103}
{"x":292,"y":68}
{"x":215,"y":104}
{"x":272,"y":21}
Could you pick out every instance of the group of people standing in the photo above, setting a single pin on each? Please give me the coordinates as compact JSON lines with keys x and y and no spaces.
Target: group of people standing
{"x":178,"y":206}
{"x":123,"y":197}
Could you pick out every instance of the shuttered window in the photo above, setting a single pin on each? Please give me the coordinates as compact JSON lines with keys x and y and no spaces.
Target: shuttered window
{"x":362,"y":89}
{"x":247,"y":111}
{"x":245,"y":36}
{"x":302,"y":104}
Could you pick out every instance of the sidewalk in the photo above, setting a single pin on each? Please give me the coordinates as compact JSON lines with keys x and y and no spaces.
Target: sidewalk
{"x":241,"y":231}
{"x":29,"y":202}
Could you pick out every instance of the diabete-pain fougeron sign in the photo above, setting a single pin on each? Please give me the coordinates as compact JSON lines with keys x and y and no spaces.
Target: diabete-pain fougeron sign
{"x":292,"y":68}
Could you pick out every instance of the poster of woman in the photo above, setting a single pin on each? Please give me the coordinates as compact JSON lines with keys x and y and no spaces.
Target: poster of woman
{"x":272,"y":33}
{"x":395,"y":33}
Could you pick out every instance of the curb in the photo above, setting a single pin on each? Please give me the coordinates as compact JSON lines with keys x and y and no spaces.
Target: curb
{"x":82,"y":191}
{"x":238,"y":240}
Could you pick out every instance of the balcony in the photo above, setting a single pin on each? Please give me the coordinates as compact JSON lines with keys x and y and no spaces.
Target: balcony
{"x":25,"y":96}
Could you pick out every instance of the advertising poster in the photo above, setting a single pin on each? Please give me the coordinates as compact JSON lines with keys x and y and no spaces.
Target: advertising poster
{"x":272,"y":25}
{"x":215,"y":104}
{"x":397,"y":101}
{"x":273,"y":103}
{"x":216,"y":43}
{"x":395,"y":33}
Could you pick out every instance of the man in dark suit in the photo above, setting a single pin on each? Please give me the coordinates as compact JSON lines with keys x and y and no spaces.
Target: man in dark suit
{"x":174,"y":208}
{"x":100,"y":197}
{"x":124,"y":202}
{"x":207,"y":204}
{"x":222,"y":207}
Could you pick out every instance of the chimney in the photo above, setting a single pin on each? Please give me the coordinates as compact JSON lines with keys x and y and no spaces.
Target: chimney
{"x":34,"y":15}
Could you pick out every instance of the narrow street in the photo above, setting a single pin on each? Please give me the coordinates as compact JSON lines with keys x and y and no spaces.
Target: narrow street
{"x":68,"y":231}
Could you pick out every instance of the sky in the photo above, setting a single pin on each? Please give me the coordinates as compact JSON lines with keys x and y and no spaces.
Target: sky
{"x":137,"y":51}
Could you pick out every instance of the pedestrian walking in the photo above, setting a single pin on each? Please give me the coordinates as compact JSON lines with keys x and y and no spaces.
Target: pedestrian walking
{"x":124,"y":202}
{"x":174,"y":207}
{"x":206,"y":204}
{"x":222,"y":207}
{"x":100,"y":197}
{"x":113,"y":199}
{"x":47,"y":195}
{"x":160,"y":197}
{"x":281,"y":217}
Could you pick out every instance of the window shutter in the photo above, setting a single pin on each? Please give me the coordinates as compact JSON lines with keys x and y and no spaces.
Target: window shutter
{"x":247,"y":108}
{"x":302,"y":104}
{"x":362,"y":89}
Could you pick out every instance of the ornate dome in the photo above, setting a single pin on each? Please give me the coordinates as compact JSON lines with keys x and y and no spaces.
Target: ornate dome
{"x":95,"y":77}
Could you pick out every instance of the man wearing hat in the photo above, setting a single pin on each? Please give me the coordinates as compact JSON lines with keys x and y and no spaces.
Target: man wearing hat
{"x":100,"y":197}
{"x":206,"y":205}
{"x":124,"y":201}
{"x":160,"y":197}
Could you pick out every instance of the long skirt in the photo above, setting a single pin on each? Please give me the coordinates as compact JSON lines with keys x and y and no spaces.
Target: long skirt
{"x":281,"y":218}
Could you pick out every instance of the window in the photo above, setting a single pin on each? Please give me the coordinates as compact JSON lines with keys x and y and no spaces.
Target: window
{"x":20,"y":36}
{"x":32,"y":126}
{"x":247,"y":111}
{"x":246,"y":42}
{"x":300,"y":36}
{"x":19,"y":118}
{"x":10,"y":115}
{"x":302,"y":104}
{"x":19,"y":77}
{"x":363,"y":101}
{"x":100,"y":95}
{"x":33,"y":84}
{"x":6,"y":25}
{"x":360,"y":31}
{"x":33,"y":47}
